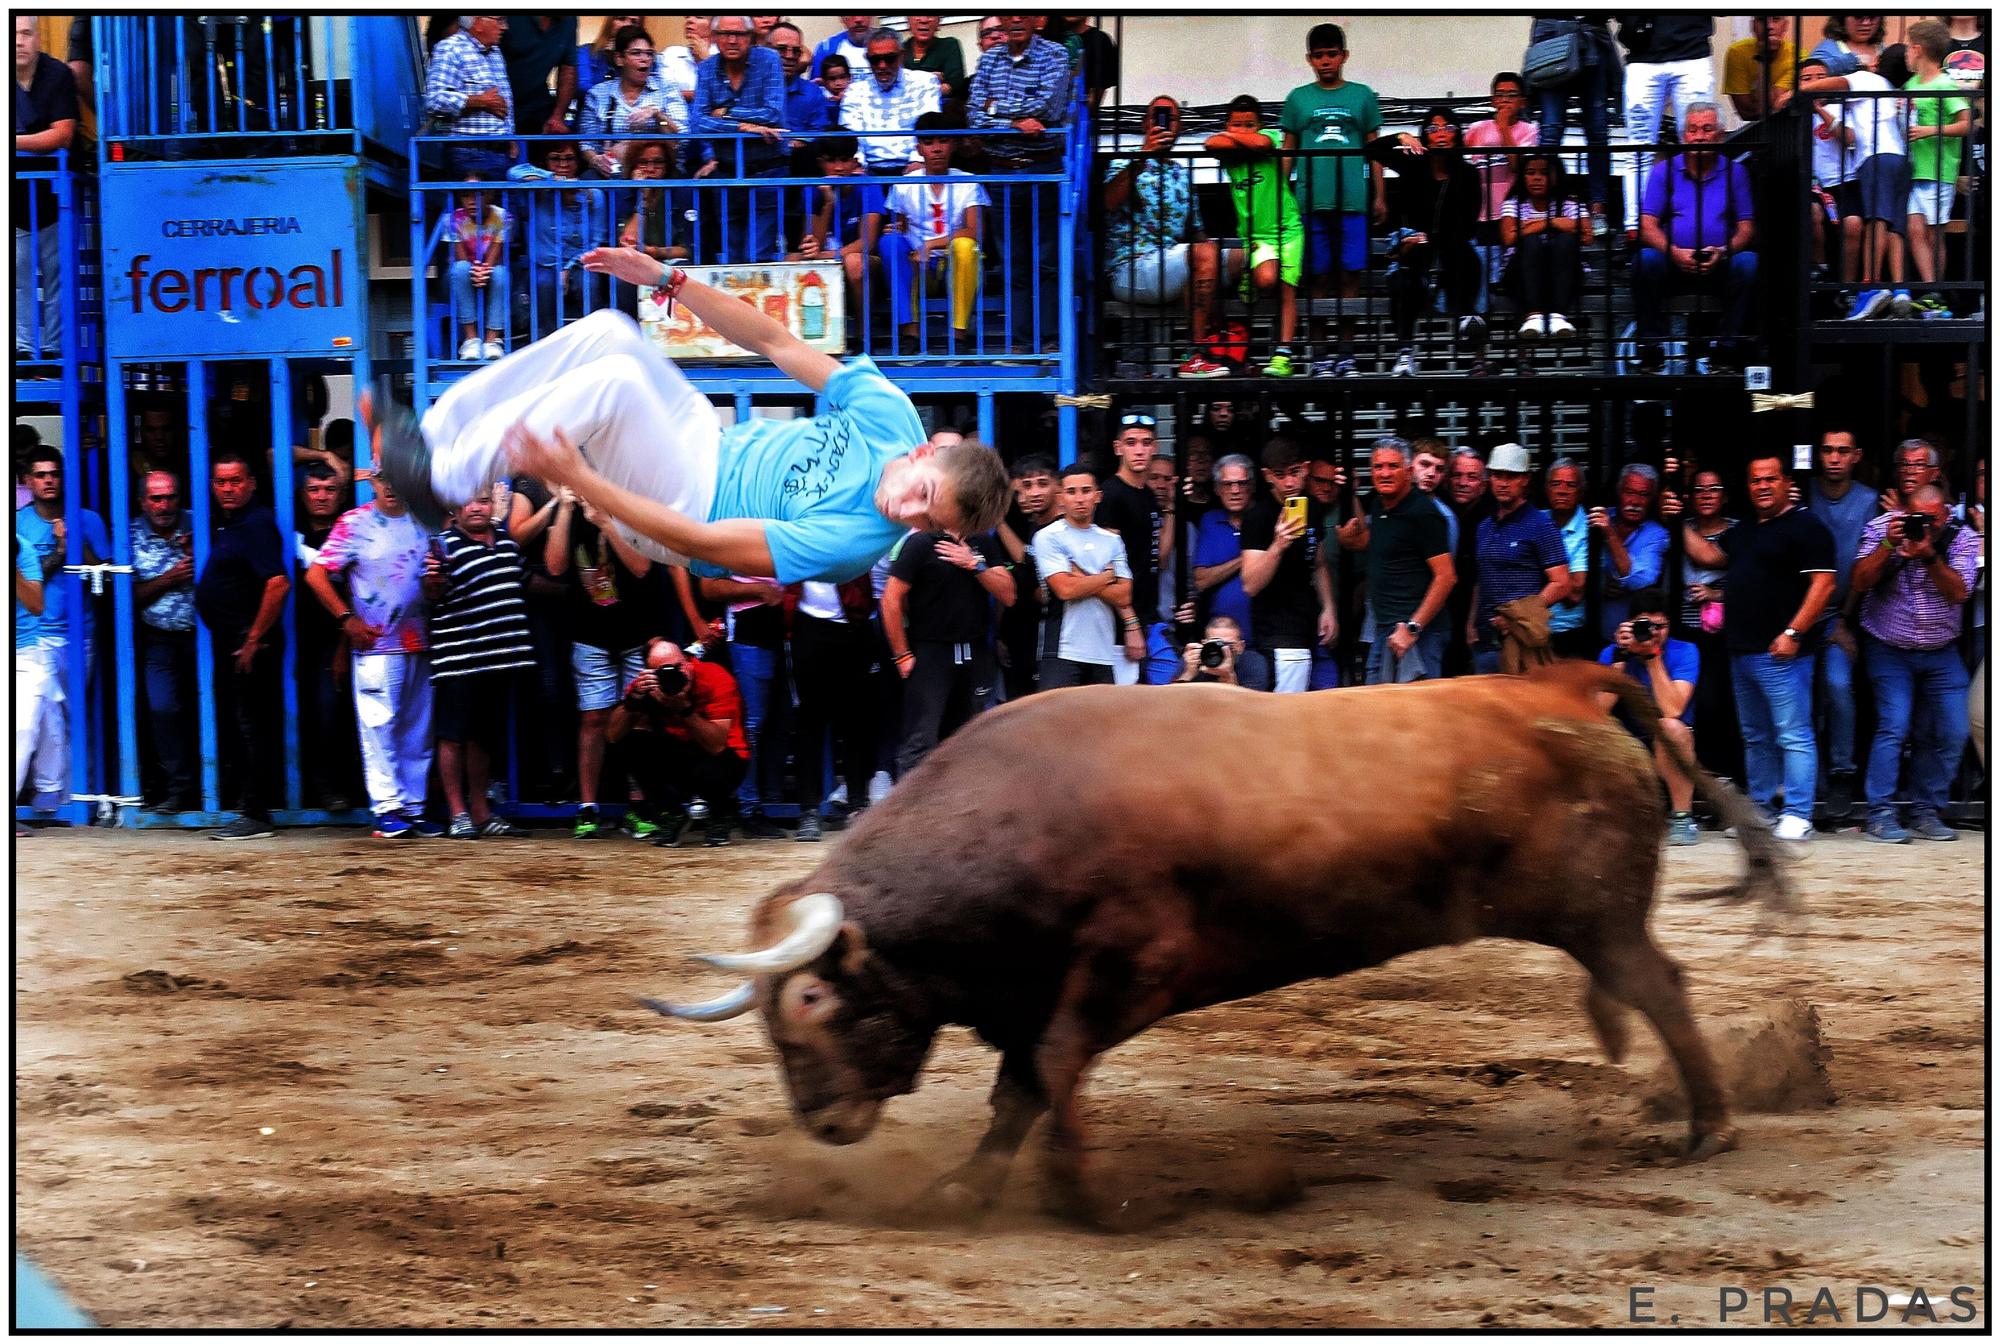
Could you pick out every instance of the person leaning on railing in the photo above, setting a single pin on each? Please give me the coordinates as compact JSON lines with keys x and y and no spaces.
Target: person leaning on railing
{"x":466,"y":90}
{"x":1696,"y":229}
{"x":635,"y":100}
{"x":45,"y":115}
{"x":1023,"y":85}
{"x":741,"y":91}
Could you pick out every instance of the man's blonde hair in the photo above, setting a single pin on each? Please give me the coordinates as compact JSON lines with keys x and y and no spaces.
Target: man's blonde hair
{"x":977,"y":481}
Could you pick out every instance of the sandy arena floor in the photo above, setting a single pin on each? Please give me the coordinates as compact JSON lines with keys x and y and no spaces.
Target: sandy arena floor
{"x":329,"y":1082}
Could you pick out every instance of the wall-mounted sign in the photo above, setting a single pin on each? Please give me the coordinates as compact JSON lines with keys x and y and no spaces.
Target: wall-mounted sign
{"x":807,"y":297}
{"x":234,"y":259}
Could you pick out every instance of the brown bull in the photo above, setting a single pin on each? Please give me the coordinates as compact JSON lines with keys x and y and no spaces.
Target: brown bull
{"x":1068,"y":870}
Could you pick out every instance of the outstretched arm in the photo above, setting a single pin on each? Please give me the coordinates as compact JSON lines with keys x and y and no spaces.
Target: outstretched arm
{"x":736,"y":544}
{"x":735,"y":321}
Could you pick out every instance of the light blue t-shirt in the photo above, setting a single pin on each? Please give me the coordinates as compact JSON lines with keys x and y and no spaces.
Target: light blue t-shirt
{"x":813,"y":481}
{"x":1683,"y":662}
{"x":27,"y":625}
{"x":38,"y":539}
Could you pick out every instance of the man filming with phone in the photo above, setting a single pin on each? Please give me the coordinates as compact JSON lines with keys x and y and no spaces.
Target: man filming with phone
{"x":1915,"y":570}
{"x":681,"y":721}
{"x":1221,"y":657}
{"x":1666,"y":669}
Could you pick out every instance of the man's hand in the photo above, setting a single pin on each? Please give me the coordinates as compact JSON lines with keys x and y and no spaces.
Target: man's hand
{"x":554,"y":460}
{"x":1029,"y":126}
{"x":1329,"y":628}
{"x":1401,"y":641}
{"x":645,"y":686}
{"x":1159,"y":140}
{"x":1378,"y":213}
{"x":359,"y":633}
{"x":1670,"y":505}
{"x":770,"y":134}
{"x":1842,"y":637}
{"x":958,"y":553}
{"x":1683,"y":259}
{"x":1923,"y":550}
{"x":555,"y":125}
{"x":59,"y":528}
{"x":1350,"y":531}
{"x":1288,"y":531}
{"x":481,"y":273}
{"x":182,"y":572}
{"x":628,"y":264}
{"x":1784,"y":646}
{"x":1600,"y":519}
{"x":705,"y":169}
{"x":247,"y":655}
{"x":1191,"y":658}
{"x":809,"y":246}
{"x":1135,"y":644}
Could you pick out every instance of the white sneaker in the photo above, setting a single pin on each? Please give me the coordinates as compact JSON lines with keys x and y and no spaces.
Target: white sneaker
{"x":1535,"y":327}
{"x":878,"y":787}
{"x":839,"y":794}
{"x":469,"y":349}
{"x":493,"y":350}
{"x":1406,"y":364}
{"x":1793,"y":828}
{"x":1559,"y":327}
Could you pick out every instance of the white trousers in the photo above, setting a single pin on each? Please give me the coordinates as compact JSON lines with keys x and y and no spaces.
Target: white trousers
{"x":1650,"y":87}
{"x":41,"y":724}
{"x":392,"y":703}
{"x":1291,"y":670}
{"x":637,"y":420}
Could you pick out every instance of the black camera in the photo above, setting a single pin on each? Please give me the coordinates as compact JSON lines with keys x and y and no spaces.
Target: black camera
{"x":672,"y":680}
{"x":1916,"y":526}
{"x":1643,"y":630}
{"x":1214,"y":653}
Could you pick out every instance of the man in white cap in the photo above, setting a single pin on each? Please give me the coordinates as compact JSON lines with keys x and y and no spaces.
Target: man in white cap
{"x":1520,"y":555}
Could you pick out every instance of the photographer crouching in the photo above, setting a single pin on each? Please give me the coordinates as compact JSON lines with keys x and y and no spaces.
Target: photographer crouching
{"x":1666,"y":669}
{"x":680,"y":726}
{"x":1221,"y":656}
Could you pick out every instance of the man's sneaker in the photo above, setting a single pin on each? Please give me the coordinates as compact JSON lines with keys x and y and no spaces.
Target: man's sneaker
{"x":1867,"y":304}
{"x":493,"y":350}
{"x":718,"y":832}
{"x":1839,"y":793}
{"x":588,"y":825}
{"x":639,"y":828}
{"x":1901,"y":305}
{"x":462,"y":827}
{"x":839,"y":795}
{"x":499,"y":828}
{"x":879,"y":786}
{"x":1790,"y":827}
{"x":757,"y":826}
{"x":469,"y":348}
{"x":1279,"y":365}
{"x":1343,"y":366}
{"x":243,"y":828}
{"x":1406,"y":364}
{"x":1885,"y":831}
{"x":1560,"y":327}
{"x":1927,"y":826}
{"x":1932,"y":308}
{"x":394,"y":826}
{"x":672,"y":826}
{"x":1535,"y":327}
{"x":404,"y":456}
{"x":1472,"y":331}
{"x":809,"y":827}
{"x":698,"y":810}
{"x":1199,"y":366}
{"x":1681,"y":829}
{"x":426,"y":830}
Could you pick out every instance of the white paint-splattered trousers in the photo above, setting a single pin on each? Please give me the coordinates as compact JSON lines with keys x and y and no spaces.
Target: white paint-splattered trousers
{"x":392,"y":705}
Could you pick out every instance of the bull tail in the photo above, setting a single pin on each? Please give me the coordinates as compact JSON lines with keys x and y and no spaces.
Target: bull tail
{"x":1764,"y":878}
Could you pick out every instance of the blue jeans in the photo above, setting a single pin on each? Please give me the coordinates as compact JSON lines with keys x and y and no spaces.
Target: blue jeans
{"x":170,"y":699}
{"x":1834,"y":672}
{"x":750,"y":227}
{"x":1592,"y":88}
{"x":756,"y":671}
{"x":1030,"y":214}
{"x":1656,"y":279}
{"x":1425,"y":662}
{"x":1774,"y":707}
{"x":1904,"y":679}
{"x":468,"y":304}
{"x":490,"y":157}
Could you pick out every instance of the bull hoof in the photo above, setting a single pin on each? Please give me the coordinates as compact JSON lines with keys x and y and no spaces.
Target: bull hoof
{"x":1701,"y":1147}
{"x":957,"y":1198}
{"x":1073,"y":1204}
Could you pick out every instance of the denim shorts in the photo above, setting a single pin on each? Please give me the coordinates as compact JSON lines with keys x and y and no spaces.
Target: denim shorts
{"x":1882,"y":188}
{"x":602,"y":676}
{"x":1326,"y":229}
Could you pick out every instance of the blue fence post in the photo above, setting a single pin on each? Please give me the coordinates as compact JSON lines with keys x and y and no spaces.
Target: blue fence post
{"x":124,"y":611}
{"x":202,"y":502}
{"x":284,"y":505}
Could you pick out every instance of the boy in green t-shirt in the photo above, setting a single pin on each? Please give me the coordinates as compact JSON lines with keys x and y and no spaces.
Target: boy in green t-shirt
{"x":1938,"y":127}
{"x":1267,"y":215}
{"x":1341,"y":193}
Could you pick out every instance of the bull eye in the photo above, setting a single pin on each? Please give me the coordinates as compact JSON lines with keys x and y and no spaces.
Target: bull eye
{"x":810,"y":995}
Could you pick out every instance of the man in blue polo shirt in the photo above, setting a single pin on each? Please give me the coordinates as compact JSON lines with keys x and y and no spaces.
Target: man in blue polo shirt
{"x":1520,"y":554}
{"x":1696,"y":228}
{"x":1666,"y":669}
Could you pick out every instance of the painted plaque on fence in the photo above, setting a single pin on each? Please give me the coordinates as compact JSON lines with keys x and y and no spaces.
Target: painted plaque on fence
{"x":234,"y":259}
{"x":806,"y":298}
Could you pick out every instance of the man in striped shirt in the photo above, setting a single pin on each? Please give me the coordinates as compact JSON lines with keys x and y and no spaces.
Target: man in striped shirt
{"x":467,"y":86}
{"x":479,"y":643}
{"x":1022,"y":85}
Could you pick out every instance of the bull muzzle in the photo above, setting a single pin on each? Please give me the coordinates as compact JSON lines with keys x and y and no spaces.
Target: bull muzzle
{"x":815,"y":923}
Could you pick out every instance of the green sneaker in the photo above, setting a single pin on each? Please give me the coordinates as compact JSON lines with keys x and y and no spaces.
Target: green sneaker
{"x":1279,"y":365}
{"x":588,"y":827}
{"x":639,"y":828}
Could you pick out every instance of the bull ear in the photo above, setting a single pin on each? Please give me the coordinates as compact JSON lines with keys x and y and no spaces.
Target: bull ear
{"x":851,"y":945}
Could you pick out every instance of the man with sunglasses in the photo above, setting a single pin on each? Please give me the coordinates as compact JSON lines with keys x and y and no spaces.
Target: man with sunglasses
{"x":807,"y":108}
{"x":883,"y":108}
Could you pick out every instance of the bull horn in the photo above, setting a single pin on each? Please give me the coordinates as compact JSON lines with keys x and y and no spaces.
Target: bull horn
{"x":815,"y":924}
{"x":735,"y":1003}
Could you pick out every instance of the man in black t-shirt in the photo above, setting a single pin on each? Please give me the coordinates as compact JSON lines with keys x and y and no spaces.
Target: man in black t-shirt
{"x":45,"y":115}
{"x":1291,"y":593}
{"x":241,"y":599}
{"x":1781,"y":574}
{"x":757,"y":659}
{"x":1129,"y":509}
{"x":1410,"y":572}
{"x":936,"y":615}
{"x":1036,"y":505}
{"x":613,"y":611}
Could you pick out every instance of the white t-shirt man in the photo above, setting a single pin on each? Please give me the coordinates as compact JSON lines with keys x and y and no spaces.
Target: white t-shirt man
{"x":1086,"y":630}
{"x":937,"y":210}
{"x":1878,"y":123}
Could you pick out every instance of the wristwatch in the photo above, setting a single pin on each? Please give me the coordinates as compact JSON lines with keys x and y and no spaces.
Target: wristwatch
{"x":1791,"y":633}
{"x":1414,"y":627}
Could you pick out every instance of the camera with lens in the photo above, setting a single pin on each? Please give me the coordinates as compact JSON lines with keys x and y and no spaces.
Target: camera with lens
{"x":1916,"y":526}
{"x":1214,"y":653}
{"x":672,"y":680}
{"x":1643,"y":630}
